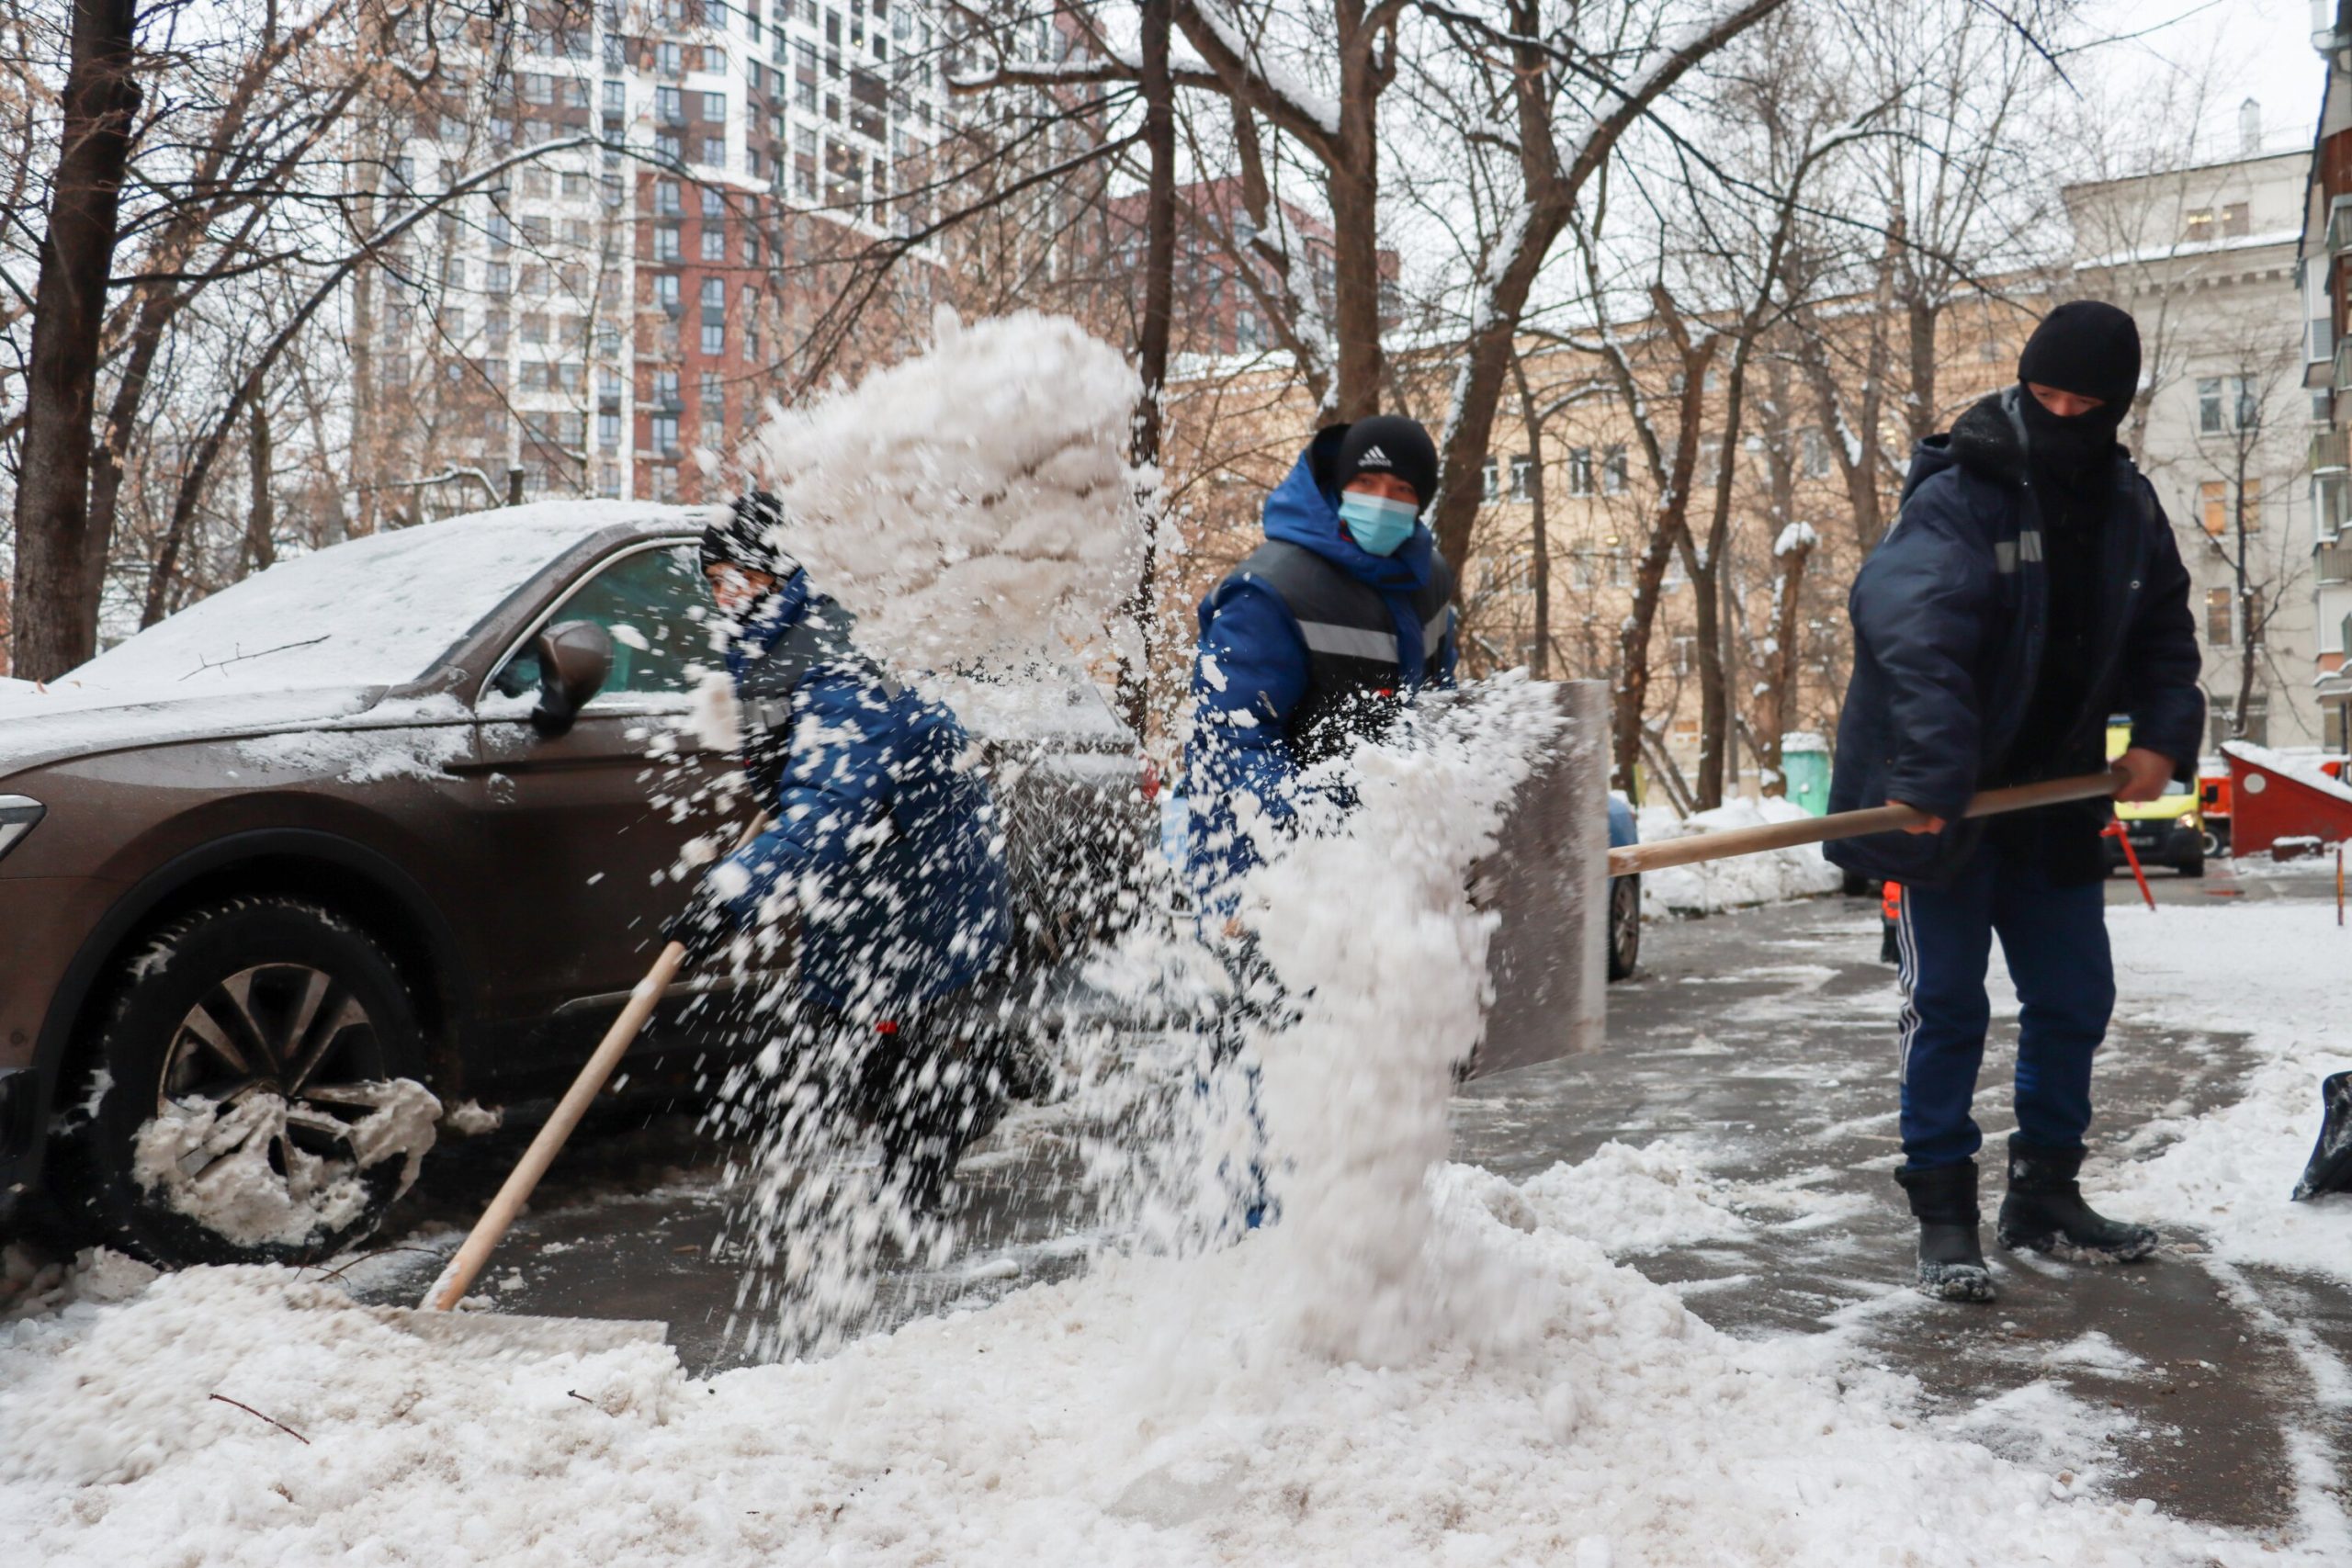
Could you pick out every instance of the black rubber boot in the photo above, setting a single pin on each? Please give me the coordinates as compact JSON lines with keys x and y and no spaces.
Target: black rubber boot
{"x":1952,"y":1263}
{"x":2044,"y":1211}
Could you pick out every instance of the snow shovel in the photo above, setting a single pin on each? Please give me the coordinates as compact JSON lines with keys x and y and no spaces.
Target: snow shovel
{"x":436,"y":1315}
{"x":1627,"y":859}
{"x":2331,"y":1167}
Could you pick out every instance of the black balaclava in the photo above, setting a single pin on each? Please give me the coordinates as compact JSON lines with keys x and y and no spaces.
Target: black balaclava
{"x":749,"y":535}
{"x":2091,"y":349}
{"x":1388,"y":444}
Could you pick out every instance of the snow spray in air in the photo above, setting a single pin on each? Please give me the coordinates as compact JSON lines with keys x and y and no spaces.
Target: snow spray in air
{"x":975,"y":510}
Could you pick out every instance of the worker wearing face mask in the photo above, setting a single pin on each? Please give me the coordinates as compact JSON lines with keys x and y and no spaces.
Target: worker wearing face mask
{"x":1316,"y":640}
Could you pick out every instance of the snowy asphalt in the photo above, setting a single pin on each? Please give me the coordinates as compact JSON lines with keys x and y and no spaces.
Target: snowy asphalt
{"x":1756,"y":1048}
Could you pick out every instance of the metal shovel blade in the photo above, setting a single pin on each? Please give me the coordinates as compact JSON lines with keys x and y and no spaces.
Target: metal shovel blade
{"x":2330,"y":1166}
{"x":499,"y":1333}
{"x":1547,"y":886}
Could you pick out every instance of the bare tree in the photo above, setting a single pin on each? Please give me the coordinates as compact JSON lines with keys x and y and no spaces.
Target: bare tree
{"x":57,"y":560}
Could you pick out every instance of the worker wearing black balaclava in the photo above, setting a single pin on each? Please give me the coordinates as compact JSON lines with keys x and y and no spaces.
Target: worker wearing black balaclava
{"x":2030,"y":587}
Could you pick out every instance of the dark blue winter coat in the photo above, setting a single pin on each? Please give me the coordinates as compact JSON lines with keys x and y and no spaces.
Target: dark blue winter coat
{"x":886,"y":844}
{"x":1951,"y":618}
{"x":1249,"y":673}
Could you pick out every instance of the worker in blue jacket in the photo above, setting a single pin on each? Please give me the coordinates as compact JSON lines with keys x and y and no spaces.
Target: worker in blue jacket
{"x":2029,"y":588}
{"x":1316,"y":640}
{"x":885,"y":849}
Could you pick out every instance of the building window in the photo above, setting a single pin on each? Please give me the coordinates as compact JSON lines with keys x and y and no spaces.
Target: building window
{"x":665,"y":291}
{"x":665,"y":242}
{"x":665,"y":388}
{"x":2251,"y":505}
{"x":2200,"y":225}
{"x":714,"y":108}
{"x":714,"y":152}
{"x":1521,"y":477}
{"x":1612,"y":468}
{"x":668,"y":107}
{"x":2249,"y":404}
{"x":666,"y":201}
{"x":609,"y":480}
{"x":1488,"y":490}
{"x":2237,"y":221}
{"x":665,"y":433}
{"x":1579,"y":471}
{"x":714,"y":337}
{"x":534,"y":326}
{"x":2209,"y":406}
{"x":713,"y":243}
{"x":2217,"y":616}
{"x":2214,"y":506}
{"x":608,"y":430}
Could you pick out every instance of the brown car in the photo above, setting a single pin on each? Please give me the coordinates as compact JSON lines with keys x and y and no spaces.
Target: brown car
{"x":403,"y":812}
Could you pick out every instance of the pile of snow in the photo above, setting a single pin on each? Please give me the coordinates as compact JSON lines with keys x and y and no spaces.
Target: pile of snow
{"x":973,"y":505}
{"x":2274,"y":972}
{"x":1153,"y":1412}
{"x":232,"y":1168}
{"x":1632,"y":1201}
{"x":1773,"y":877}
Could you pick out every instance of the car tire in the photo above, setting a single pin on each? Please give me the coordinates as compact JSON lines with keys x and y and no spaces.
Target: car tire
{"x":285,"y":993}
{"x":2194,"y":865}
{"x":1624,"y":925}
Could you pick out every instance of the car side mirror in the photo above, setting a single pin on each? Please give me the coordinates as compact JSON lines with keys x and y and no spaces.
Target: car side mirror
{"x":575,"y":658}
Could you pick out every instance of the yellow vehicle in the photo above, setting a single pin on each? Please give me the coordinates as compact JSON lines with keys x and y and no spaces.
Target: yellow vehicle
{"x":2167,"y":830}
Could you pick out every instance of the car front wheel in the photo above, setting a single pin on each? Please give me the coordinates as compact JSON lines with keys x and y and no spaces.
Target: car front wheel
{"x":1624,"y":925}
{"x":253,"y":1091}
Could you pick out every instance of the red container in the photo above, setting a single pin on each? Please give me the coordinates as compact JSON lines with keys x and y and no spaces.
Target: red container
{"x":2274,"y":798}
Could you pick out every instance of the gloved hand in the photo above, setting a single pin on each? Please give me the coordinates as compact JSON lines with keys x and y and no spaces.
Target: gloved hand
{"x":703,"y":928}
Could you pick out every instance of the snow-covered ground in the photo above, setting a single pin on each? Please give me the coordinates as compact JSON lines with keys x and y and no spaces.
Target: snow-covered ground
{"x":1558,"y":1407}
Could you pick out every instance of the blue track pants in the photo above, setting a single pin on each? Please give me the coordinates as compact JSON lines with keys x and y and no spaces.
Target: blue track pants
{"x":2055,"y":941}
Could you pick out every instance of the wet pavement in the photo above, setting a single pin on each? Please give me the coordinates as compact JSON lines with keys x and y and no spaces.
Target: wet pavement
{"x":1763,"y":1041}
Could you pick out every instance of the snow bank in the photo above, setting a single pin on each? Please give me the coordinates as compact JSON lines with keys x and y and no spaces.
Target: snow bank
{"x":1150,"y":1413}
{"x":2274,"y":972}
{"x":973,"y":505}
{"x":233,"y":1169}
{"x":1773,"y":877}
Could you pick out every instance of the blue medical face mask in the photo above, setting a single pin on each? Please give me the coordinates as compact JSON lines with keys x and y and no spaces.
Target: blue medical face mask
{"x":1376,"y":523}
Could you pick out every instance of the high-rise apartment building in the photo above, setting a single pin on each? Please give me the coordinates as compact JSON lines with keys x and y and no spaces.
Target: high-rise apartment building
{"x":614,"y":313}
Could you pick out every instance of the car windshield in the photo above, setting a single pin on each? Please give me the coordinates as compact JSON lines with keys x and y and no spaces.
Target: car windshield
{"x":372,"y":612}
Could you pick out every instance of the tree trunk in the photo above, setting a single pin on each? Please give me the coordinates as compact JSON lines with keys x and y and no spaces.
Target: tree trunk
{"x":1151,"y":348}
{"x":1921,"y":316}
{"x":1673,"y":476}
{"x":1708,"y":584}
{"x":55,"y":615}
{"x":261,"y":510}
{"x":1539,"y":659}
{"x":2249,"y":628}
{"x":1353,"y":186}
{"x":1779,"y":693}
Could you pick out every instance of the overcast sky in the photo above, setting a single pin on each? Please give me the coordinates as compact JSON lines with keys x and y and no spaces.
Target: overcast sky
{"x":2257,"y":48}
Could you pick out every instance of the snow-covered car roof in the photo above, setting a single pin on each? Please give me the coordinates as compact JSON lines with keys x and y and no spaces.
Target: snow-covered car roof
{"x":370,"y":612}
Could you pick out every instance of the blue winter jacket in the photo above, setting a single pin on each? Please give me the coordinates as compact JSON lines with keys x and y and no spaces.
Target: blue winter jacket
{"x":1950,"y":614}
{"x":1249,"y":672}
{"x":886,"y":844}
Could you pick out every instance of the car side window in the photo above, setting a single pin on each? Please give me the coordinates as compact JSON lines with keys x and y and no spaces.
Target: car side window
{"x":652,"y":603}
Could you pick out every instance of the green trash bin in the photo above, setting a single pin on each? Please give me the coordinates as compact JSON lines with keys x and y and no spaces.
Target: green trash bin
{"x":1804,"y":759}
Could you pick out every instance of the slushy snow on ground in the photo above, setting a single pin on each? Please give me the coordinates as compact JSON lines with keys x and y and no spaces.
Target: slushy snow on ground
{"x":233,"y":1166}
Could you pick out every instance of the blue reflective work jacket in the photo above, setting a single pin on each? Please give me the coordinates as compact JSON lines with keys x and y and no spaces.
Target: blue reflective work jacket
{"x":885,"y":841}
{"x":1254,"y":675}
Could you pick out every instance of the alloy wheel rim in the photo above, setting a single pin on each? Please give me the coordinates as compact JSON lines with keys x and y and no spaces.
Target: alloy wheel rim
{"x":286,"y":1030}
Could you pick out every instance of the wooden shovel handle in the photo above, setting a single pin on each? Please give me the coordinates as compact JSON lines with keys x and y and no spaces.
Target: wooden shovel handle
{"x":1627,"y":859}
{"x":458,"y":1276}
